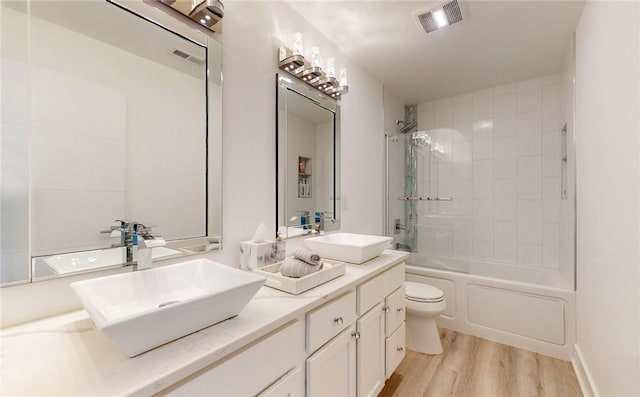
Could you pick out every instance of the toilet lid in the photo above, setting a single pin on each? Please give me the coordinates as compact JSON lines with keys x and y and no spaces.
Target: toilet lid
{"x":418,"y":292}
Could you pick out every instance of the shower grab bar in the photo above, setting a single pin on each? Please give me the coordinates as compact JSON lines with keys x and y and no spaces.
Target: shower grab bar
{"x":411,"y":198}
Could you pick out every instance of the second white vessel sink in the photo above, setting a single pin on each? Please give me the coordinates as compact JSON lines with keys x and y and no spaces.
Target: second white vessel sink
{"x":348,"y":247}
{"x":145,"y":309}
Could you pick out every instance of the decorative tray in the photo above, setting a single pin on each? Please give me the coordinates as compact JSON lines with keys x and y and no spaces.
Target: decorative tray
{"x":330,"y":270}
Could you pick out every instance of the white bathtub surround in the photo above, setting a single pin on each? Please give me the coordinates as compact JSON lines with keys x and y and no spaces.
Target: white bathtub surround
{"x":94,"y":366}
{"x":525,"y":315}
{"x":501,"y":164}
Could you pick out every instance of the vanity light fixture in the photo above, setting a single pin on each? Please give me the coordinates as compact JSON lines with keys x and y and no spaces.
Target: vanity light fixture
{"x":206,"y":13}
{"x":312,"y":74}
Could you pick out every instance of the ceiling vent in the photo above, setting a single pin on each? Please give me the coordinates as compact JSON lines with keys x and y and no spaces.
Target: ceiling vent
{"x":434,"y":18}
{"x":186,"y":56}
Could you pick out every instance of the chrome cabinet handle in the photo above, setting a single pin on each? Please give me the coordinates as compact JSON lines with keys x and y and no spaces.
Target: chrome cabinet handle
{"x":356,"y":334}
{"x":385,"y":309}
{"x":400,"y":349}
{"x":338,"y":320}
{"x":400,"y":309}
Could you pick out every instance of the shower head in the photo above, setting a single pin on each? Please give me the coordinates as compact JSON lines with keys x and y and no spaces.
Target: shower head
{"x":405,"y":127}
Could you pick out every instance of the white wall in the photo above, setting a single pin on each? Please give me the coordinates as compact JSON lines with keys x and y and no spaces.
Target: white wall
{"x":608,"y":206}
{"x":501,"y":164}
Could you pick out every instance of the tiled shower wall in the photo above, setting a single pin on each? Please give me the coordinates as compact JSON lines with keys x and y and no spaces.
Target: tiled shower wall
{"x":500,"y":161}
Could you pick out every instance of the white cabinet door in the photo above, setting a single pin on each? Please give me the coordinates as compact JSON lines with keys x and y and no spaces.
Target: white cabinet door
{"x":331,"y":371}
{"x":396,"y":350}
{"x":371,"y":352}
{"x":395,"y":308}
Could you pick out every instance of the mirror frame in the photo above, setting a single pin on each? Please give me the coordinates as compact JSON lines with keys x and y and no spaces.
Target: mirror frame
{"x":284,"y":84}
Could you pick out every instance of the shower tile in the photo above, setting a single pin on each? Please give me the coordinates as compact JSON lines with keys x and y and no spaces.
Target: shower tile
{"x":529,"y":211}
{"x":505,"y":89}
{"x":461,"y":238}
{"x":482,"y":220}
{"x":505,"y":115}
{"x":551,"y":245}
{"x":426,"y":116}
{"x":462,"y":161}
{"x":552,"y":79}
{"x":530,"y":95}
{"x":530,"y":221}
{"x":505,"y":209}
{"x":530,"y":134}
{"x":482,"y":144}
{"x":483,"y":104}
{"x":462,"y":199}
{"x":551,"y":199}
{"x":504,"y":168}
{"x":530,"y":254}
{"x":529,"y":185}
{"x":504,"y":189}
{"x":445,"y":179}
{"x":463,"y":121}
{"x":551,"y":108}
{"x":443,"y":113}
{"x":464,"y":98}
{"x":504,"y":148}
{"x":482,"y":228}
{"x":483,"y":179}
{"x":15,"y":92}
{"x":482,"y":249}
{"x":505,"y":246}
{"x":551,"y":156}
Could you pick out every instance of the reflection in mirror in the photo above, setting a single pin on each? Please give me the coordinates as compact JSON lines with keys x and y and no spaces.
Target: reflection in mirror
{"x":307,"y":160}
{"x":123,"y":123}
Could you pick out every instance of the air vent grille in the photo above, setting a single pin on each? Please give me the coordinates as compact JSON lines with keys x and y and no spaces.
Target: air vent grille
{"x":181,"y":54}
{"x":428,"y":22}
{"x":452,"y":11}
{"x":187,"y":56}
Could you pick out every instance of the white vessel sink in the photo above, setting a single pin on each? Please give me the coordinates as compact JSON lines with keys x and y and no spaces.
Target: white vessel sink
{"x":145,"y":309}
{"x":348,"y":247}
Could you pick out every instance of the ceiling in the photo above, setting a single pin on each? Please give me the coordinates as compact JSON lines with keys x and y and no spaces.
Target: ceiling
{"x":497,"y":42}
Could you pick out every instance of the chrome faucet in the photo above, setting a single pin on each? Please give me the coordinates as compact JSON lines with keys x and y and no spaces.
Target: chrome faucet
{"x":319,"y":227}
{"x":134,"y":234}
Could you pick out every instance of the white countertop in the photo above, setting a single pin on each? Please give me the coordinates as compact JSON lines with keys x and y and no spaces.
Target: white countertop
{"x":66,"y":355}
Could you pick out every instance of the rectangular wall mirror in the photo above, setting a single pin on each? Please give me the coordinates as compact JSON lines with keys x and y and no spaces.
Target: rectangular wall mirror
{"x":106,"y":115}
{"x":308,"y":160}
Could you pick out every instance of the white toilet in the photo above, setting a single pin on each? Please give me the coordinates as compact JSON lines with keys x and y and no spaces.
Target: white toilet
{"x":424,"y":304}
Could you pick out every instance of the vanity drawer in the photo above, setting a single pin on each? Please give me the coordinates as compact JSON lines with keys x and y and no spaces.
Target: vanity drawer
{"x":250,"y":371}
{"x":327,"y":321}
{"x":376,"y":289}
{"x":395,"y":349}
{"x":395,"y":310}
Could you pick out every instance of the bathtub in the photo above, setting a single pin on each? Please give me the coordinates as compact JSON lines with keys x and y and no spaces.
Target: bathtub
{"x":494,"y":302}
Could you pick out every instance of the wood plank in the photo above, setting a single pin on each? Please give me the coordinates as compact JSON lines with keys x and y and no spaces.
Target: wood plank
{"x":471,"y":366}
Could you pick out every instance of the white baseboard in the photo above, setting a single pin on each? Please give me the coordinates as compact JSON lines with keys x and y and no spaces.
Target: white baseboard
{"x":583,"y":374}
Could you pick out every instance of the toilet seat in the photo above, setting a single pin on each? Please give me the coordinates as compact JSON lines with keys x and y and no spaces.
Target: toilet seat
{"x":422,"y":293}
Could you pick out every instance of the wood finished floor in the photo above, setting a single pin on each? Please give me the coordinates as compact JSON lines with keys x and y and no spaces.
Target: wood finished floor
{"x":472,"y":366}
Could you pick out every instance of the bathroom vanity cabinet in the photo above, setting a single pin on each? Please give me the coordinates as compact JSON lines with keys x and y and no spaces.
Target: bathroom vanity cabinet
{"x":341,"y":338}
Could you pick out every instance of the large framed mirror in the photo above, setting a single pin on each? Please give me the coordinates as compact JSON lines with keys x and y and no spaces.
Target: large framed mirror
{"x":106,"y":115}
{"x":308,"y":160}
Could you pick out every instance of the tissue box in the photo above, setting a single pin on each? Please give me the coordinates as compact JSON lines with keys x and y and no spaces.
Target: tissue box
{"x":253,"y":255}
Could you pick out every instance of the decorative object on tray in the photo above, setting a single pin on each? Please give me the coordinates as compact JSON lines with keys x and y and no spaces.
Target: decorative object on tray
{"x":330,"y":270}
